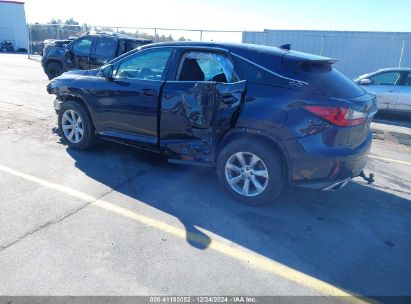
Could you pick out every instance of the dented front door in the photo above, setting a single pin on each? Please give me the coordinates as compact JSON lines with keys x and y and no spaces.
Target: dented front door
{"x":194,"y":116}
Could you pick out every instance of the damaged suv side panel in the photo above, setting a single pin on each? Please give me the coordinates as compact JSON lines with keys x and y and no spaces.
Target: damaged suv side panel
{"x":194,"y":116}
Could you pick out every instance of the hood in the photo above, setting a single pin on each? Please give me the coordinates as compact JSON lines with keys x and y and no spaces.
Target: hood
{"x":77,"y":73}
{"x":68,"y":78}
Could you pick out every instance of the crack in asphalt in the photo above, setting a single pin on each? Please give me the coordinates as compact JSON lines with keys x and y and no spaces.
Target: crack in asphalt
{"x":55,"y":221}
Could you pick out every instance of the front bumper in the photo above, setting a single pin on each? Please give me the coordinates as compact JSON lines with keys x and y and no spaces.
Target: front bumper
{"x":57,"y":104}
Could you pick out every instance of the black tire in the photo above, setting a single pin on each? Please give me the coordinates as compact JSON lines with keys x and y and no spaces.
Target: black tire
{"x":88,"y":138}
{"x":271,"y":161}
{"x":54,"y":69}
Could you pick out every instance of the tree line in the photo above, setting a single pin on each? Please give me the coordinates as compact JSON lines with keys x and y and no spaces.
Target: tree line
{"x":59,"y":29}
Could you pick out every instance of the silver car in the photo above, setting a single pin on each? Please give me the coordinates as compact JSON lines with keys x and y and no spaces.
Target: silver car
{"x":391,"y":86}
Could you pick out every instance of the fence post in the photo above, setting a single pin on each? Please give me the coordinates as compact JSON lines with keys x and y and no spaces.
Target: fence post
{"x":402,"y":53}
{"x":28,"y":41}
{"x":322,"y":45}
{"x":201,"y":35}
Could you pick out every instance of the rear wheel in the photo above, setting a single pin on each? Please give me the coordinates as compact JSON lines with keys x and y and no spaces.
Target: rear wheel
{"x":75,"y":126}
{"x":251,"y":173}
{"x":54,"y":69}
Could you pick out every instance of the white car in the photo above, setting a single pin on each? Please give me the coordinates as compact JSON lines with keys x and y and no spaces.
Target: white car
{"x":392,"y":87}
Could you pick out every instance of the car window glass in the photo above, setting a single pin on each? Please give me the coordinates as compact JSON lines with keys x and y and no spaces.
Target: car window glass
{"x":106,"y":48}
{"x":408,"y":81}
{"x":388,"y":78}
{"x":253,"y":73}
{"x":327,"y":80}
{"x":82,"y":46}
{"x":207,"y":66}
{"x":131,"y":45}
{"x":148,"y":65}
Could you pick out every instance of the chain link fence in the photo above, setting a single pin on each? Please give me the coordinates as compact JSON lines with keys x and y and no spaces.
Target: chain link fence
{"x":358,"y":52}
{"x":41,"y":33}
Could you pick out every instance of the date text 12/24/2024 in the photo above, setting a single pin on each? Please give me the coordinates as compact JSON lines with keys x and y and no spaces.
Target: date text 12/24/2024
{"x":202,"y":299}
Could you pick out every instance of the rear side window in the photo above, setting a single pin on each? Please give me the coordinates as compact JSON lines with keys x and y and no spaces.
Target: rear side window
{"x":206,"y":66}
{"x":329,"y":81}
{"x":106,"y":48}
{"x":253,"y":73}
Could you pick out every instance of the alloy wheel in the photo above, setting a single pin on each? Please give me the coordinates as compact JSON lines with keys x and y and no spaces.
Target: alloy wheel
{"x":246,"y":174}
{"x":72,"y":125}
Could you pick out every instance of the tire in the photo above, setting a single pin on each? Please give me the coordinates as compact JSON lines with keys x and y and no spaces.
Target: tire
{"x":54,"y":69}
{"x":81,"y":124}
{"x":270,"y":178}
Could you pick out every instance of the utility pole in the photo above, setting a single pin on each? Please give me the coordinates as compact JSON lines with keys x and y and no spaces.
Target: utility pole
{"x":28,"y":41}
{"x":402,"y":53}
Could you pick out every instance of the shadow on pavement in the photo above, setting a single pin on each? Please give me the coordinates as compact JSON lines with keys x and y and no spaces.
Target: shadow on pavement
{"x":394,"y":119}
{"x":357,"y":239}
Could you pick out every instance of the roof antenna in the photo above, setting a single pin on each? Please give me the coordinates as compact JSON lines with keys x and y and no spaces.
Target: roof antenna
{"x":286,"y":46}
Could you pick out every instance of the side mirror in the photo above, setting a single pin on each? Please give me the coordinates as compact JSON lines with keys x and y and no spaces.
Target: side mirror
{"x":106,"y":71}
{"x":364,"y":81}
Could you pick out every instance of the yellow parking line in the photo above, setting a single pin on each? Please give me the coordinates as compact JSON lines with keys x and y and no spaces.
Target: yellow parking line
{"x":390,"y":160}
{"x":233,"y":250}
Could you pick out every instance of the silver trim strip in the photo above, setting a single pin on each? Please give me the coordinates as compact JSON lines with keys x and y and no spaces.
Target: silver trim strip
{"x":188,"y":47}
{"x":269,"y":71}
{"x":339,"y":185}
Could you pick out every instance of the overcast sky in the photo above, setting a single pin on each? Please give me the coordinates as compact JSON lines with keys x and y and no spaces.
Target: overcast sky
{"x":358,"y":15}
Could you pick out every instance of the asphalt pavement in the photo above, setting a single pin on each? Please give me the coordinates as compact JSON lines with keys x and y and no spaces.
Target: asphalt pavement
{"x":119,"y":221}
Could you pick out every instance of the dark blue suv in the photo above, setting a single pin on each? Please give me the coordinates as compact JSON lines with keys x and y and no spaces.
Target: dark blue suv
{"x":265,"y":117}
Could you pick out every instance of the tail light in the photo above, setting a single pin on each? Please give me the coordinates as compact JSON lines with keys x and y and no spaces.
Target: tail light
{"x":339,"y":116}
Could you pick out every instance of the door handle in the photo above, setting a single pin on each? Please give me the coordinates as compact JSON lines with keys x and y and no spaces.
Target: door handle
{"x":228,"y":99}
{"x":149,"y":92}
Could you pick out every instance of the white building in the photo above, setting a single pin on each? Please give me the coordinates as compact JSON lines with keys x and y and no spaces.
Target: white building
{"x":13,"y":23}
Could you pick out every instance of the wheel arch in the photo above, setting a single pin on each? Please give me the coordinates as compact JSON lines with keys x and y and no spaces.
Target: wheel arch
{"x":51,"y":60}
{"x":257,"y":135}
{"x":81,"y":102}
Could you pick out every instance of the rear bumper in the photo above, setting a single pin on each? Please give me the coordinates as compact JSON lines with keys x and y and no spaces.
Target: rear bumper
{"x":318,"y":166}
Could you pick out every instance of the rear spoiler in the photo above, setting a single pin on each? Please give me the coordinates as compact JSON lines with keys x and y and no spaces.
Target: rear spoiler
{"x":299,"y":57}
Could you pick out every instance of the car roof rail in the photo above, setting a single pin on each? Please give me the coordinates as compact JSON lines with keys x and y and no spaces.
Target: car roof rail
{"x":120,"y":35}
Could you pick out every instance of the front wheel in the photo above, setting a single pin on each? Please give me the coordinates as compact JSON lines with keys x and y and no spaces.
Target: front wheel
{"x":251,"y":172}
{"x":54,"y":69}
{"x":75,"y":126}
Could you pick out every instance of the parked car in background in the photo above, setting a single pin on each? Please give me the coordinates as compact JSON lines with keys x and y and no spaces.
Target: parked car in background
{"x":265,"y":117}
{"x":86,"y":52}
{"x":53,"y":47}
{"x":6,"y":46}
{"x":392,"y":87}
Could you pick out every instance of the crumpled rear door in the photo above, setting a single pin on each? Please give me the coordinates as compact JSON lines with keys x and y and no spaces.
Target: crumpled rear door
{"x":194,"y":115}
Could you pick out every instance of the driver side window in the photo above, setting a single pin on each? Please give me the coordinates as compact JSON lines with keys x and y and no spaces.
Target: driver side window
{"x":388,"y":78}
{"x":148,"y":65}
